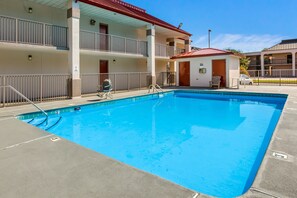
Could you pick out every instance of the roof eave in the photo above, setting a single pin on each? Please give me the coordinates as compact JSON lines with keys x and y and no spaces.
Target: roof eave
{"x":136,"y":17}
{"x":197,"y":56}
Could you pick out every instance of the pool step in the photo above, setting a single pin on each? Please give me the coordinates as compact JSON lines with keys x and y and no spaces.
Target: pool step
{"x":35,"y":121}
{"x":41,"y":122}
{"x":53,"y":122}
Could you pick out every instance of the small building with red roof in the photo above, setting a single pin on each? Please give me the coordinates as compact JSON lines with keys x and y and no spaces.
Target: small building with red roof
{"x":198,"y":67}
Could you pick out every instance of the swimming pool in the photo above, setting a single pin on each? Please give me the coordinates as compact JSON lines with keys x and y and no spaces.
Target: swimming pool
{"x":210,"y":142}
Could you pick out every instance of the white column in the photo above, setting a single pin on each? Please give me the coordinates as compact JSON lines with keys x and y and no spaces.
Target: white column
{"x":73,"y":18}
{"x":188,"y":47}
{"x":175,"y":71}
{"x":151,"y":61}
{"x":262,"y":64}
{"x":174,"y":66}
{"x":294,"y":63}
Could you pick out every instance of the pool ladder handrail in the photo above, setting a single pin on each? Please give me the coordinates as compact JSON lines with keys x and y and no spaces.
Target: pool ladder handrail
{"x":155,"y":87}
{"x":28,"y":100}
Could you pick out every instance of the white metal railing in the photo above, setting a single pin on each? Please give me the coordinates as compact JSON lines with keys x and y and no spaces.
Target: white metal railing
{"x":125,"y":81}
{"x":36,"y":87}
{"x":163,"y":50}
{"x":24,"y":31}
{"x":111,"y":43}
{"x":278,"y":61}
{"x":273,"y":77}
{"x":46,"y":87}
{"x":179,"y":51}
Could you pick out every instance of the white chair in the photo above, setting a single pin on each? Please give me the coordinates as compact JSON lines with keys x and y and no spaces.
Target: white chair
{"x":216,"y":81}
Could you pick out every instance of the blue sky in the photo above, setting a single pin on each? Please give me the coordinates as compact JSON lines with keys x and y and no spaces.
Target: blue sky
{"x":247,"y":25}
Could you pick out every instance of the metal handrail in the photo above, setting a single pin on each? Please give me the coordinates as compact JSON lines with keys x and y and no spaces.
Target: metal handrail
{"x":156,"y":88}
{"x":27,"y":99}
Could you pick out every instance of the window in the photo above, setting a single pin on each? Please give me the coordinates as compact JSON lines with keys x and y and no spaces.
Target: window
{"x":289,"y":59}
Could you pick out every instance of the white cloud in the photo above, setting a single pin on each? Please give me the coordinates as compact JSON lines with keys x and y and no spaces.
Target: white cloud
{"x":245,"y":43}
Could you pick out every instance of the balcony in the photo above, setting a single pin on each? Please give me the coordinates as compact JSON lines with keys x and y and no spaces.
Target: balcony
{"x":163,"y":50}
{"x":110,"y":43}
{"x":22,"y":31}
{"x":255,"y":63}
{"x":278,"y":61}
{"x":14,"y":30}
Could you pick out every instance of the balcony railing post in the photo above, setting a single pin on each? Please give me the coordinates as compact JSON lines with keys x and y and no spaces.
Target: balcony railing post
{"x":43,"y":33}
{"x":115,"y":83}
{"x":41,"y":85}
{"x":110,"y":38}
{"x":280,"y":77}
{"x":125,"y":45}
{"x":128,"y":81}
{"x":16,"y":30}
{"x":258,"y":75}
{"x":139,"y":81}
{"x":96,"y":42}
{"x":4,"y":84}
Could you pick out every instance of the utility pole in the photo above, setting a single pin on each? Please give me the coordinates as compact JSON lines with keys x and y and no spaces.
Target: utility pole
{"x":209,"y":31}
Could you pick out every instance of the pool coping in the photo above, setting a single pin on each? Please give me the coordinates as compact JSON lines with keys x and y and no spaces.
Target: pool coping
{"x":261,"y":187}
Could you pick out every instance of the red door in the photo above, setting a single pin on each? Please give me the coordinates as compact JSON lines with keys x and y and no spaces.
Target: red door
{"x":103,"y":70}
{"x":184,"y":74}
{"x":219,"y":69}
{"x":103,"y":29}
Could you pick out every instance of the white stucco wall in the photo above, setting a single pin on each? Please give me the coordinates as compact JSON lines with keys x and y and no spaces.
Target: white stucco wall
{"x":202,"y":80}
{"x":16,"y":62}
{"x":233,"y":70}
{"x":90,"y":64}
{"x":56,"y":62}
{"x":41,"y":13}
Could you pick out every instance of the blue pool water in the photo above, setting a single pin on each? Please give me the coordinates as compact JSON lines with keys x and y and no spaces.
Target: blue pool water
{"x":207,"y":142}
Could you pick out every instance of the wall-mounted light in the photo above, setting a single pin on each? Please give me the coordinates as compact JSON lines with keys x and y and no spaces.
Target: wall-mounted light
{"x":30,"y":10}
{"x":114,"y":61}
{"x":30,"y":57}
{"x":92,"y":22}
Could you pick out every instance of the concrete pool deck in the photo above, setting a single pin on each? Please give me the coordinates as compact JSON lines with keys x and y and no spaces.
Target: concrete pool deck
{"x":32,"y":165}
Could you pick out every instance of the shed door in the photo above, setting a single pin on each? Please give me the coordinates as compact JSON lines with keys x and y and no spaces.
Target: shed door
{"x":219,"y":69}
{"x":184,"y":74}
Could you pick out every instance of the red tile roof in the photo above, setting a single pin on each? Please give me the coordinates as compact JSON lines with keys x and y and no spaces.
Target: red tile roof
{"x":130,"y":10}
{"x":203,"y":52}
